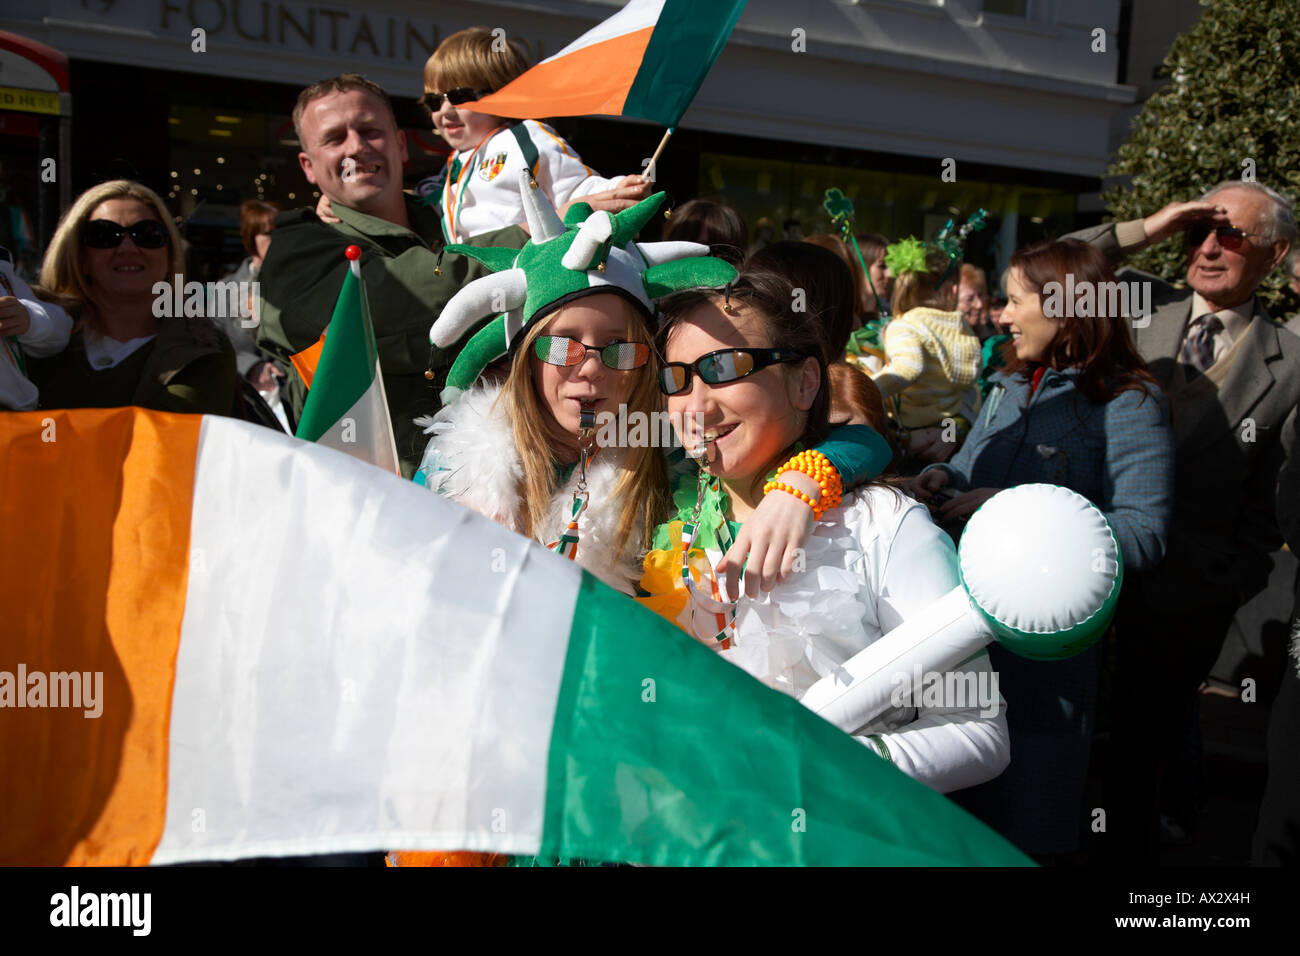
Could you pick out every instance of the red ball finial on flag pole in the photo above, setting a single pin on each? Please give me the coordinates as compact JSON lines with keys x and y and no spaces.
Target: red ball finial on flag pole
{"x":353,"y":252}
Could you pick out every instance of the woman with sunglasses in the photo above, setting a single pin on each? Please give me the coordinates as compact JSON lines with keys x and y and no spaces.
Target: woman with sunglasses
{"x":110,"y":249}
{"x":552,"y":451}
{"x":747,"y":376}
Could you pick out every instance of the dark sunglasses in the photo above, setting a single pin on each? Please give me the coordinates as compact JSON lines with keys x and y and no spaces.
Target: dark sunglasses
{"x":564,"y":351}
{"x":721,"y":367}
{"x":1230,"y":237}
{"x":106,"y":234}
{"x":462,"y":94}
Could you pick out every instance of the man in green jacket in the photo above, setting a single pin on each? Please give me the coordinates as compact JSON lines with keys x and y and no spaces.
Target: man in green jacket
{"x":353,"y":152}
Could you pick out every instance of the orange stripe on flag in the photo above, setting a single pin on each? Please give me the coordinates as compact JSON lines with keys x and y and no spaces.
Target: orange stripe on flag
{"x":307,"y":360}
{"x":593,"y":79}
{"x":95,"y":506}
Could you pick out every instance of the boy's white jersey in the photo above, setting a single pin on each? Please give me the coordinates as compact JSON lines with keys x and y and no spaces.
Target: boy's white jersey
{"x":484,"y":195}
{"x":47,"y":335}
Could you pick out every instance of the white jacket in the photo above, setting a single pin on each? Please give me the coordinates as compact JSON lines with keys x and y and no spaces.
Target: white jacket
{"x":472,"y":459}
{"x":48,"y":335}
{"x":490,"y":189}
{"x":871,"y":564}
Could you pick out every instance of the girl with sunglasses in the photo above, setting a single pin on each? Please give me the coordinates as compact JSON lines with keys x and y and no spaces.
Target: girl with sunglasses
{"x":747,"y":376}
{"x":581,"y":371}
{"x":110,"y":249}
{"x":533,"y":452}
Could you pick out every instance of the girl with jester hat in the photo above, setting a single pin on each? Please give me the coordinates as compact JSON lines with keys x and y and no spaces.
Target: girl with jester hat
{"x":577,"y":331}
{"x":577,"y":334}
{"x":752,"y":373}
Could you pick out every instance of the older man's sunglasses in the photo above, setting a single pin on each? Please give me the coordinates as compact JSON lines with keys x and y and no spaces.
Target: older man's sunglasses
{"x":721,"y":367}
{"x":106,"y":234}
{"x":1230,"y":237}
{"x":462,"y":94}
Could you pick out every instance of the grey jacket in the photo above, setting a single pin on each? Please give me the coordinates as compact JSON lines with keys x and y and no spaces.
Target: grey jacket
{"x":1230,"y":443}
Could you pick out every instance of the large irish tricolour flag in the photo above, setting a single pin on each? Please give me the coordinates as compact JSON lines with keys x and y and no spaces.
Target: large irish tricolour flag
{"x":647,"y":61}
{"x":292,"y":652}
{"x":346,"y":407}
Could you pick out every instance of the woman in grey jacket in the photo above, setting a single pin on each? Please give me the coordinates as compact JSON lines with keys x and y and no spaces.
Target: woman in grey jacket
{"x":1075,"y":406}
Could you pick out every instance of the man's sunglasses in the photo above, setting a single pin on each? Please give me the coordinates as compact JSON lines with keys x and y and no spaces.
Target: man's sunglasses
{"x":721,"y":367}
{"x":462,"y":94}
{"x":106,"y":234}
{"x":1230,"y":237}
{"x":564,"y":351}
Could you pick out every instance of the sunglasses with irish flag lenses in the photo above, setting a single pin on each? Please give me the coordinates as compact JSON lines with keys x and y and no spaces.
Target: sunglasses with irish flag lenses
{"x":564,"y":351}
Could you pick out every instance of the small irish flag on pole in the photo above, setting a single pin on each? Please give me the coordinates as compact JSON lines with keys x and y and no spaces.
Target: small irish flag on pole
{"x":646,"y":61}
{"x":346,"y":408}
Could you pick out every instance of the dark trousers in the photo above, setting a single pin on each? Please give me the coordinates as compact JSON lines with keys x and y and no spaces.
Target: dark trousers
{"x":1277,"y":838}
{"x":1162,"y":658}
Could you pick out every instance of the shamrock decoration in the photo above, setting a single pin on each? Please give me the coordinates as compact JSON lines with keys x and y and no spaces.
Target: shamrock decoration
{"x":951,"y":242}
{"x":908,"y":255}
{"x":840,"y":209}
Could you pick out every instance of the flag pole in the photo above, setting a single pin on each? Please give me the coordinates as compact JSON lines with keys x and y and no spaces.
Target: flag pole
{"x":662,"y":143}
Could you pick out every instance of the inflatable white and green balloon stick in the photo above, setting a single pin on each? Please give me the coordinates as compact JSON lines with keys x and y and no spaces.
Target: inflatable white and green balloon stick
{"x":1041,"y":573}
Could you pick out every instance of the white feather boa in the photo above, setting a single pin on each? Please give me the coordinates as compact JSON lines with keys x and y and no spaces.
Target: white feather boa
{"x":477,"y":465}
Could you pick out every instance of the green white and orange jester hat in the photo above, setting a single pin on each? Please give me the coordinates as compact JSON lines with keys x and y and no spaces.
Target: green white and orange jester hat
{"x":585,"y":253}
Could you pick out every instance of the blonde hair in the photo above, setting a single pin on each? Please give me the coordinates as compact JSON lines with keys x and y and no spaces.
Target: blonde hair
{"x":61,"y":271}
{"x":916,"y":289}
{"x":468,"y":58}
{"x":642,"y":487}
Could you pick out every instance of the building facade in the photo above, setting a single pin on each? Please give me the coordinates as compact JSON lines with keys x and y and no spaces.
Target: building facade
{"x":918,"y":110}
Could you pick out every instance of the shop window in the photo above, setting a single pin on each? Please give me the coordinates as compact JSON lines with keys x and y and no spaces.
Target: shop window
{"x":1010,"y":8}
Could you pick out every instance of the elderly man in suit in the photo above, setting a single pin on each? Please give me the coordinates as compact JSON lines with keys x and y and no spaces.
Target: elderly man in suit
{"x":1233,"y":377}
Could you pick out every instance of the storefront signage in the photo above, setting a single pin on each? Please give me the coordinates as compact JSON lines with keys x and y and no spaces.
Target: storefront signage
{"x":302,"y":26}
{"x":29,"y":101}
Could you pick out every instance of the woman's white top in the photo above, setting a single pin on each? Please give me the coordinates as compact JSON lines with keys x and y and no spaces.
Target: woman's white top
{"x":869,"y":565}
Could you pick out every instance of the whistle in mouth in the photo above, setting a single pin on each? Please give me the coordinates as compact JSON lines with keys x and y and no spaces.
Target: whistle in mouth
{"x":587,"y":418}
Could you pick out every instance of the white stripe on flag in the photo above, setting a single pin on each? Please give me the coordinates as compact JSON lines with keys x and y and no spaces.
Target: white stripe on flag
{"x":271,"y":757}
{"x":637,"y":15}
{"x":365,"y":432}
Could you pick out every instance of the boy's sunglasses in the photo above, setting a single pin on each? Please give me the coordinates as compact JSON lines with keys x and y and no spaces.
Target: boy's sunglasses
{"x":462,"y":94}
{"x":106,"y":234}
{"x":721,"y":367}
{"x":1230,"y":237}
{"x":564,"y":351}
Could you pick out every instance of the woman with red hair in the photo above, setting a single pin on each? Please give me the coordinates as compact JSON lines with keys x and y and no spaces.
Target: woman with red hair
{"x":1074,"y":406}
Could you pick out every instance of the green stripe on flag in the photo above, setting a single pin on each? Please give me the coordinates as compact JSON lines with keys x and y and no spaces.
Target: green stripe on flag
{"x":662,"y":753}
{"x":685,"y":42}
{"x":347,"y":362}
